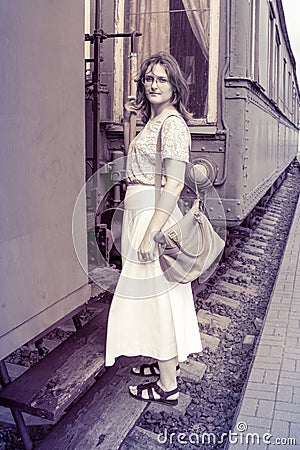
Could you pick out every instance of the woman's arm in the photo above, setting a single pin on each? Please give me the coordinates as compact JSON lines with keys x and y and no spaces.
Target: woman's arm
{"x":175,"y":171}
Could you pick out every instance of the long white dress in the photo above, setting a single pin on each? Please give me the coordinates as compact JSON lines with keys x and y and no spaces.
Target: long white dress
{"x":149,"y":315}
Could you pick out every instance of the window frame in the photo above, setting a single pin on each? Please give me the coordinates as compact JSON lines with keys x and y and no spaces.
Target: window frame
{"x":271,"y":74}
{"x":277,"y":64}
{"x":120,"y":8}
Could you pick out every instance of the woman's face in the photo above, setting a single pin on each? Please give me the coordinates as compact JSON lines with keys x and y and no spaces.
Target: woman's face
{"x":158,"y":89}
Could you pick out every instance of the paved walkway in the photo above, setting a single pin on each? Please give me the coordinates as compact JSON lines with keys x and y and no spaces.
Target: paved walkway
{"x":271,"y":403}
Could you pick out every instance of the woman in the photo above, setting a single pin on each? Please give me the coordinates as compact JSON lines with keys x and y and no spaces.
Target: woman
{"x":149,"y":315}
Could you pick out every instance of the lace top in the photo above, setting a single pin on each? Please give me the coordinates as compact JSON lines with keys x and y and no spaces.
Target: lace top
{"x":175,"y":143}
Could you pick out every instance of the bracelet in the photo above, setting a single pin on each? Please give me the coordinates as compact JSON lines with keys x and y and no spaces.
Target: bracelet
{"x":159,"y":238}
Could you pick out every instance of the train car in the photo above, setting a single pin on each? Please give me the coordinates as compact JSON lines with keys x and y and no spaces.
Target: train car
{"x":42,"y":167}
{"x":244,"y":93}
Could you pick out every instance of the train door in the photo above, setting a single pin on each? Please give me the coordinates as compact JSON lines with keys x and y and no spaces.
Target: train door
{"x":188,"y":29}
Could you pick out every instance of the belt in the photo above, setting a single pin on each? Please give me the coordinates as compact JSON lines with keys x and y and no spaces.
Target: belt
{"x":130,"y":181}
{"x":134,"y":181}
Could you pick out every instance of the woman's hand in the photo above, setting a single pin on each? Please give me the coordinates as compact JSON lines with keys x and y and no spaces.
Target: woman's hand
{"x":147,"y":248}
{"x":129,"y":108}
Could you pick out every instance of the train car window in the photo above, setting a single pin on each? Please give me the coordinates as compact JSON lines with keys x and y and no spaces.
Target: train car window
{"x":182,"y":28}
{"x":289,"y":94}
{"x":277,"y":66}
{"x":254,"y":40}
{"x":293,"y":102}
{"x":284,"y":85}
{"x":271,"y":51}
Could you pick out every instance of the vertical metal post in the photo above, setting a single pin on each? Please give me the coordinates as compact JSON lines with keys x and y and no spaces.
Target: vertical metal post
{"x":17,"y":415}
{"x":132,"y":92}
{"x":96,"y":84}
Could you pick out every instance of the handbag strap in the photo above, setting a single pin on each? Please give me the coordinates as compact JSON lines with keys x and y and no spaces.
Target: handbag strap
{"x":158,"y":171}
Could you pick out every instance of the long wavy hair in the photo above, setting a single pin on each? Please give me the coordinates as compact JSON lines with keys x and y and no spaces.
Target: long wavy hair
{"x":179,"y":85}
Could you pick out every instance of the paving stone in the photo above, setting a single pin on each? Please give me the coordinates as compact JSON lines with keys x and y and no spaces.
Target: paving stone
{"x":254,"y":422}
{"x":192,"y":370}
{"x":287,"y":406}
{"x":265,"y":408}
{"x":289,"y":364}
{"x":295,"y":432}
{"x":253,"y":393}
{"x":288,"y":415}
{"x":264,"y":350}
{"x":271,"y":376}
{"x":258,"y":387}
{"x":210,"y":342}
{"x":266,"y":363}
{"x":281,"y":429}
{"x":276,"y":351}
{"x":178,"y":410}
{"x":214,"y":320}
{"x":285,"y":394}
{"x":249,"y":407}
{"x":296,"y":394}
{"x":221,"y":300}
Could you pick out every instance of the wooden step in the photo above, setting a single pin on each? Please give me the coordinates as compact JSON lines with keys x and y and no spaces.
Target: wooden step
{"x":49,"y":387}
{"x":139,"y":438}
{"x":103,"y":417}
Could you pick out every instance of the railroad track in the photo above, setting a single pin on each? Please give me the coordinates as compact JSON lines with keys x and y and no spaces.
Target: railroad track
{"x":230,"y":308}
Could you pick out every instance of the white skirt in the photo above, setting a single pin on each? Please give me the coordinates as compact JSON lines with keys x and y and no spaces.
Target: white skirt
{"x":149,"y":315}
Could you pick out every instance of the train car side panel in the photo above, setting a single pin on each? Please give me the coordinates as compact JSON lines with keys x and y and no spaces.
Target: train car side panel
{"x":42,"y":166}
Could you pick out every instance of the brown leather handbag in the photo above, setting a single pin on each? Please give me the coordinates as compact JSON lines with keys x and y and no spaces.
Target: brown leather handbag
{"x":191,"y":246}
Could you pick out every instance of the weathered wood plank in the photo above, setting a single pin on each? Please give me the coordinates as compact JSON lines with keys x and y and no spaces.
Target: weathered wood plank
{"x":61,"y":376}
{"x":140,"y":438}
{"x":103,"y":417}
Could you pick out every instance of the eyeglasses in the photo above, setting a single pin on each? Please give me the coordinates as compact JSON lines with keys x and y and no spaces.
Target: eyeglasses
{"x":160,"y":81}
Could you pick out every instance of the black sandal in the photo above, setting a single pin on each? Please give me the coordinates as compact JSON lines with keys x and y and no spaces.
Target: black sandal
{"x":151,"y":388}
{"x":151,"y":368}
